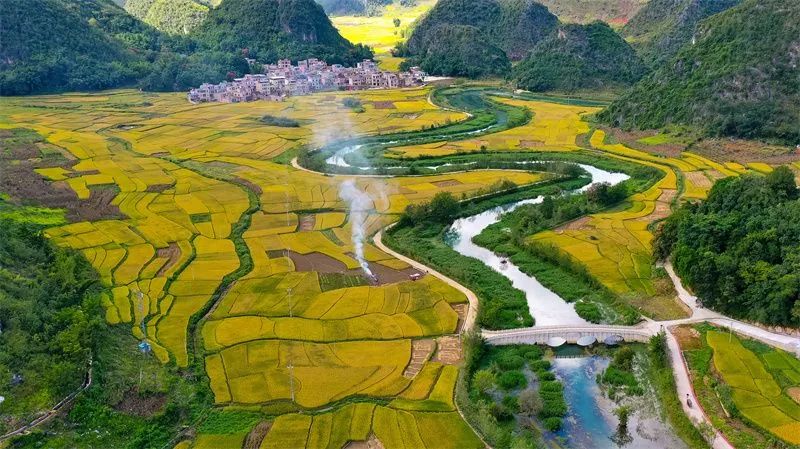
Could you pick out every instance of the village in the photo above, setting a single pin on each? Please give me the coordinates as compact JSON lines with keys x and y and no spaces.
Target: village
{"x":283,"y":80}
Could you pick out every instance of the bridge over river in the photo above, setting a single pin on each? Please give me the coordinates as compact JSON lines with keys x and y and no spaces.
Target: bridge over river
{"x":544,"y":334}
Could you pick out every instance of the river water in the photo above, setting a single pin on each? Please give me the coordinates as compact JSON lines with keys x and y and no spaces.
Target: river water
{"x":546,"y":307}
{"x":591,"y":423}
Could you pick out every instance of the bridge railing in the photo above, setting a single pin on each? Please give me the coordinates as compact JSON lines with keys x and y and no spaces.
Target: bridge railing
{"x":542,"y":334}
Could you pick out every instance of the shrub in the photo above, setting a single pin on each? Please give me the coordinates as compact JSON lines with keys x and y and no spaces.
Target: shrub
{"x":283,"y":122}
{"x":510,"y":362}
{"x":553,"y":424}
{"x":535,"y":353}
{"x":511,"y":380}
{"x":540,"y":366}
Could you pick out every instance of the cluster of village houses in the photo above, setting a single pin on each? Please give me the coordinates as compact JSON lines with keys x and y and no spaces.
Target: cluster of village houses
{"x":283,"y":80}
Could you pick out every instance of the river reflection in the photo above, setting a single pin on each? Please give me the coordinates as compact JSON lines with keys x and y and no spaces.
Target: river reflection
{"x":591,"y":424}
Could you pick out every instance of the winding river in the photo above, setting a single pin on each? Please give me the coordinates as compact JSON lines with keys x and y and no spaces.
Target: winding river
{"x":590,"y":422}
{"x":547,"y":307}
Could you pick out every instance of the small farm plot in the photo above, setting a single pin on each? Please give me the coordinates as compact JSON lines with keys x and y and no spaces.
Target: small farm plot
{"x":761,"y":383}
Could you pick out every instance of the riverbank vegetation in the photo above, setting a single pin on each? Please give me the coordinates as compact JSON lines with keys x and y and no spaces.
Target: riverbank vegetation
{"x":740,"y":249}
{"x":556,"y":270}
{"x":421,"y":235}
{"x":509,"y":394}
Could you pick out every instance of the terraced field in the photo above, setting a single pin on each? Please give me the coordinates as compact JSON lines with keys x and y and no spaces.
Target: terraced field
{"x":234,"y":264}
{"x":222,"y":258}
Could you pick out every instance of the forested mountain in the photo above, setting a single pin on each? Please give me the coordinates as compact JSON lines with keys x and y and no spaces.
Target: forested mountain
{"x":61,"y":45}
{"x":740,"y":249}
{"x":614,"y":12}
{"x":741,"y":77}
{"x":273,"y":29}
{"x":662,"y":27}
{"x":78,"y":44}
{"x":577,"y":57}
{"x":171,"y":16}
{"x":347,"y":7}
{"x":462,"y":50}
{"x":514,"y":26}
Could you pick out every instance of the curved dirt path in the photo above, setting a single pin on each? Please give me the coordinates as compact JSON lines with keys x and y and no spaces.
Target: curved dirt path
{"x":472,"y":310}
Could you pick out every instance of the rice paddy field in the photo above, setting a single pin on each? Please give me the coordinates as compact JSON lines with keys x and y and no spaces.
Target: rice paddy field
{"x":227,"y":259}
{"x":202,"y":209}
{"x":380,"y":32}
{"x":760,"y":384}
{"x":750,"y":390}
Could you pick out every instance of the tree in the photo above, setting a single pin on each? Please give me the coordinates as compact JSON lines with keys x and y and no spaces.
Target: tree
{"x":396,"y":22}
{"x":548,"y":207}
{"x":443,"y":207}
{"x":782,"y":182}
{"x":483,"y":381}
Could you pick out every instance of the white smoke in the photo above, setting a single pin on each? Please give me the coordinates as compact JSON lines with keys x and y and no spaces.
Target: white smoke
{"x":359,"y":203}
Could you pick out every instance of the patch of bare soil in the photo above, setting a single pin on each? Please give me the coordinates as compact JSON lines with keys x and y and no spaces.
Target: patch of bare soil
{"x":158,"y":188}
{"x":257,"y":435}
{"x":744,"y":151}
{"x":530,"y":143}
{"x":688,"y":337}
{"x":383,"y":105}
{"x":371,"y":443}
{"x":447,"y":183}
{"x":698,"y":178}
{"x":420,"y":352}
{"x":172,"y":253}
{"x":140,"y":405}
{"x":794,"y":393}
{"x":322,"y":263}
{"x":576,"y":225}
{"x":448,"y":350}
{"x":461,"y":311}
{"x":77,"y":174}
{"x":663,"y":207}
{"x":307,"y":222}
{"x":631,"y":139}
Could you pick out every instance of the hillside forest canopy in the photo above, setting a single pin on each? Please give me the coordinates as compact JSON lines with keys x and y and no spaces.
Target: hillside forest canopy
{"x":739,"y":250}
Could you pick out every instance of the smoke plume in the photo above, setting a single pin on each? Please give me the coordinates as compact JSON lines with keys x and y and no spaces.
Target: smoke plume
{"x":359,"y":203}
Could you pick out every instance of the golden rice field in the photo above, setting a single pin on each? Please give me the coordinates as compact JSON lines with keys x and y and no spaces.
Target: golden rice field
{"x":379,"y":32}
{"x":205,"y":190}
{"x":183,"y":178}
{"x":555,"y":127}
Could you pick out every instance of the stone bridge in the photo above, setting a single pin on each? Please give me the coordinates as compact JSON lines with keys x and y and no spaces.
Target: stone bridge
{"x":542,"y":334}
